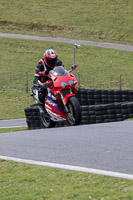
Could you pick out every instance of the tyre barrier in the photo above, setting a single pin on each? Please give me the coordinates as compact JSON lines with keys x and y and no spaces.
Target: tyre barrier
{"x":106,"y":112}
{"x":94,"y":97}
{"x":97,"y":106}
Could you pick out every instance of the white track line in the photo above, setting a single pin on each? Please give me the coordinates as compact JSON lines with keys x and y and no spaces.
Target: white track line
{"x":69,"y":167}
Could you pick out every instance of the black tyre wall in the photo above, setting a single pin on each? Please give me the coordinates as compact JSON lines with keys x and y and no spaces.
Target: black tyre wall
{"x":97,"y":106}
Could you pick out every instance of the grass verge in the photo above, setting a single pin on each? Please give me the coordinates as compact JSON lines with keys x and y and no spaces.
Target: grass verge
{"x":13,"y":104}
{"x":7,"y":130}
{"x":99,"y":20}
{"x":22,"y":181}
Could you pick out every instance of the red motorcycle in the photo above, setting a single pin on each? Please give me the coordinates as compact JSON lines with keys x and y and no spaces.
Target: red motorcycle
{"x":61,"y":102}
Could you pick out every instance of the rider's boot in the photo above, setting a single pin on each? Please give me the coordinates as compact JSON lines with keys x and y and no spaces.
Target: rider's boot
{"x":42,"y":102}
{"x":41,"y":108}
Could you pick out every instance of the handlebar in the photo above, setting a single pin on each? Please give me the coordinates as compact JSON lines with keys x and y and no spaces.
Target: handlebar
{"x":46,"y":84}
{"x":73,"y":67}
{"x":43,"y":85}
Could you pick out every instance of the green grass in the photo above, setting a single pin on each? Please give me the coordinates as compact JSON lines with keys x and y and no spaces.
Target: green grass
{"x":26,"y":182}
{"x":87,"y":19}
{"x":7,"y":130}
{"x":12,"y":104}
{"x":98,"y":68}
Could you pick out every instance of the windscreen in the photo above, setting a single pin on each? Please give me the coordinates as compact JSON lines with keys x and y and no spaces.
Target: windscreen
{"x":59,"y":71}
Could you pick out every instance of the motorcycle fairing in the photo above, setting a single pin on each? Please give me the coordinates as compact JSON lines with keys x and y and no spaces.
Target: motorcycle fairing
{"x":52,"y":108}
{"x":65,"y":94}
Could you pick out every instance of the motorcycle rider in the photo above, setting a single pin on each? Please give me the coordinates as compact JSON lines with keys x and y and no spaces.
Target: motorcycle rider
{"x":47,"y":63}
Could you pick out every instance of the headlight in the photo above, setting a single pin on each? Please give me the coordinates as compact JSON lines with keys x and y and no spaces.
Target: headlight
{"x":70,"y":83}
{"x":63,"y":84}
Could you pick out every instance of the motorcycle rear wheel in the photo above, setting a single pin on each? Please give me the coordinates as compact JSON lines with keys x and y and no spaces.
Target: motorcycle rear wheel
{"x":74,"y":111}
{"x":46,"y":121}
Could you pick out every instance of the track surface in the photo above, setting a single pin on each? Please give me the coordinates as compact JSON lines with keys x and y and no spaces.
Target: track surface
{"x":13,"y":123}
{"x":70,"y":41}
{"x":107,"y":146}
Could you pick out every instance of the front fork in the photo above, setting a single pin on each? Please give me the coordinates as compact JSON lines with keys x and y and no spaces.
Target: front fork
{"x":65,"y":99}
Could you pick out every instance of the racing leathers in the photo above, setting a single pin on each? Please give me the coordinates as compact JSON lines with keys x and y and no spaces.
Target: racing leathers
{"x":41,"y":70}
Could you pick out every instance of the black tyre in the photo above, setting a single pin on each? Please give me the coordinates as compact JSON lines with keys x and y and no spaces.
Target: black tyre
{"x":85,"y":113}
{"x":111,"y":92}
{"x":125,"y":111}
{"x":83,"y":91}
{"x":112,"y":116}
{"x":90,"y":96}
{"x":118,"y":111}
{"x":117,"y":106}
{"x":111,"y":111}
{"x":92,"y":108}
{"x":119,"y":116}
{"x":97,"y":102}
{"x":90,"y":92}
{"x":130,"y":115}
{"x":83,"y":96}
{"x":84,"y":108}
{"x":105,"y":117}
{"x":91,"y":112}
{"x":91,"y":102}
{"x":46,"y":121}
{"x":97,"y":97}
{"x":98,"y":107}
{"x":104,"y":100}
{"x":110,"y":100}
{"x":98,"y":113}
{"x":84,"y":121}
{"x":85,"y":118}
{"x":74,"y":114}
{"x":104,"y":92}
{"x":93,"y":117}
{"x":83,"y":102}
{"x":98,"y":92}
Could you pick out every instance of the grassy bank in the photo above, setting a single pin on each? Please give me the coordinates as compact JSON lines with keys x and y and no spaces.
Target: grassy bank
{"x":7,"y":130}
{"x":21,"y":181}
{"x":12,"y":104}
{"x":91,"y":20}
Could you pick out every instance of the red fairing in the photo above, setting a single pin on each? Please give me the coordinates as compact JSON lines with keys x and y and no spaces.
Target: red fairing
{"x":61,"y":89}
{"x":57,"y":86}
{"x":66,"y":98}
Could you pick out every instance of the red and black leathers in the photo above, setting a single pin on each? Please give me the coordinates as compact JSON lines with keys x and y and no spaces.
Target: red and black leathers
{"x":41,"y":70}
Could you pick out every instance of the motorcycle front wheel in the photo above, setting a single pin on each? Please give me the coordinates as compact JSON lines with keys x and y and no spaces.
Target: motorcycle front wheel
{"x":74,"y":111}
{"x":46,"y":121}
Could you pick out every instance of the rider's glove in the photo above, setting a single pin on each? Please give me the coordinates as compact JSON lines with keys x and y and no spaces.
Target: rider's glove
{"x":74,"y":66}
{"x":44,"y":85}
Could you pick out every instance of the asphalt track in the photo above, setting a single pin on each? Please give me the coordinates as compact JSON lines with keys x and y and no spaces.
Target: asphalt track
{"x":70,"y":41}
{"x":106,"y":147}
{"x":13,"y":123}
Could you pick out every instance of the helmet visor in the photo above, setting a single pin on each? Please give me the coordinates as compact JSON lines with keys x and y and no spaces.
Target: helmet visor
{"x":51,"y":62}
